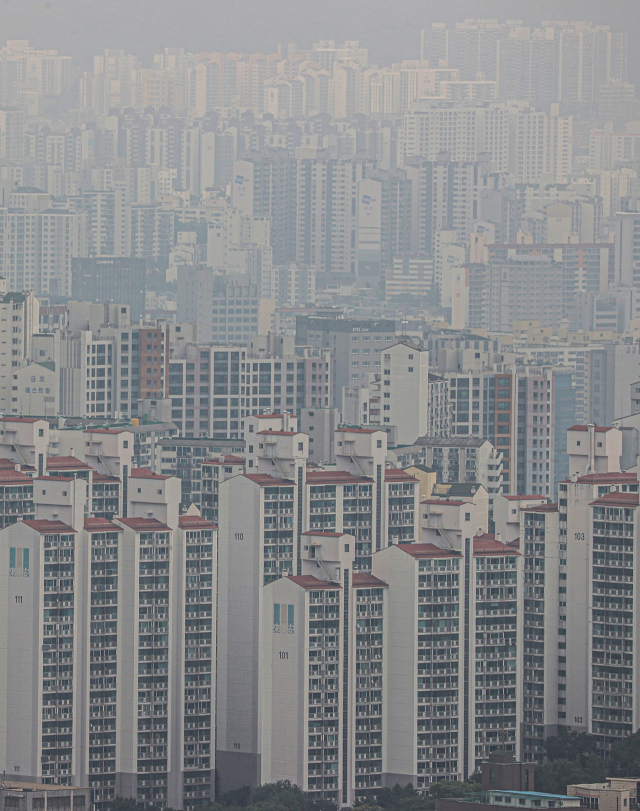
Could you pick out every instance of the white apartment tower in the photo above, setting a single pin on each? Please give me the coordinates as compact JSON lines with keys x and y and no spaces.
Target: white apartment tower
{"x":307,"y":639}
{"x":598,"y":526}
{"x":397,"y":399}
{"x":283,"y":504}
{"x":406,"y":675}
{"x":107,"y":632}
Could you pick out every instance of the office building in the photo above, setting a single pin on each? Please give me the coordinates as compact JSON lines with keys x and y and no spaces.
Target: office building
{"x":224,"y":308}
{"x":111,"y":279}
{"x":26,"y":796}
{"x":356,"y":345}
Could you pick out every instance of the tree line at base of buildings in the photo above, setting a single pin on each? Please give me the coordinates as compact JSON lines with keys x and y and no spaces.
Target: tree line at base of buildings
{"x":576,"y":757}
{"x":571,"y":757}
{"x":286,"y":796}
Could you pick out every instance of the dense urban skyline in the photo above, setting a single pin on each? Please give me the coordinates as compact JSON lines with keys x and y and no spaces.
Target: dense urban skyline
{"x":319,"y":407}
{"x":390,"y":32}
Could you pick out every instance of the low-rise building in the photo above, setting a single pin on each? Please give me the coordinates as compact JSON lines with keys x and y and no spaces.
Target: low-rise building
{"x":613,"y":795}
{"x":24,"y":795}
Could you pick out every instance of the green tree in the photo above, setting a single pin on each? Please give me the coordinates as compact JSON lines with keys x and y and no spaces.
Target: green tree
{"x":124,"y":804}
{"x":568,"y":745}
{"x":240,"y":797}
{"x":403,"y":798}
{"x":555,"y":776}
{"x":625,"y":757}
{"x":280,"y":796}
{"x":451,"y":788}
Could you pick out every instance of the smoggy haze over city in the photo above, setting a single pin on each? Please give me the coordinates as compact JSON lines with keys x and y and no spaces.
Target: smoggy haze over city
{"x":319,"y":405}
{"x":391,"y":31}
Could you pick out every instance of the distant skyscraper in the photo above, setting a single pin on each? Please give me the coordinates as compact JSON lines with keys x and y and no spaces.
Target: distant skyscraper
{"x":264,"y":185}
{"x":12,"y":124}
{"x":326,"y":212}
{"x":446,"y":198}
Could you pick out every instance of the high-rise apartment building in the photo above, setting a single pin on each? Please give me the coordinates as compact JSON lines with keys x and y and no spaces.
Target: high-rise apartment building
{"x":105,"y":218}
{"x":213,"y":388}
{"x":544,"y":651}
{"x":308,"y":643}
{"x":459,"y":459}
{"x":25,"y":68}
{"x":106,"y":364}
{"x":446,"y":198}
{"x":526,"y":286}
{"x":326,"y":204}
{"x":285,"y":507}
{"x":18,"y":319}
{"x":264,"y":186}
{"x":560,"y":61}
{"x":150,"y":232}
{"x":397,"y":397}
{"x":502,"y":408}
{"x":527,"y":67}
{"x":463,"y":129}
{"x":38,"y":248}
{"x":396,"y":675}
{"x":114,"y":621}
{"x":592,"y":507}
{"x":12,"y":127}
{"x":588,"y":56}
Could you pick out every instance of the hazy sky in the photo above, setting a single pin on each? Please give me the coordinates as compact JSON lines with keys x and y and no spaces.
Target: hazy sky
{"x":389,"y":28}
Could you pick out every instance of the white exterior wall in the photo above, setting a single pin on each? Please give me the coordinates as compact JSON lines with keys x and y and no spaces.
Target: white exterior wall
{"x":284,"y":672}
{"x":400,"y":571}
{"x":604,"y":446}
{"x":154,"y":497}
{"x":406,"y":391}
{"x":240,"y":560}
{"x":575,"y":530}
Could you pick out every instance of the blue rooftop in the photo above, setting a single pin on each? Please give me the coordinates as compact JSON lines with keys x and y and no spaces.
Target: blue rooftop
{"x":532,"y":794}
